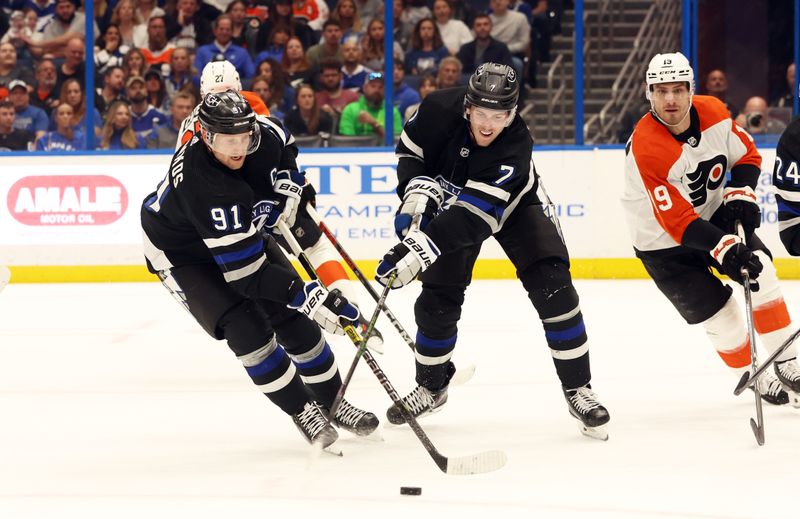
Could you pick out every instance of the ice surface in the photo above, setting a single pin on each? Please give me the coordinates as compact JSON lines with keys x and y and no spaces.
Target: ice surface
{"x":114,"y":404}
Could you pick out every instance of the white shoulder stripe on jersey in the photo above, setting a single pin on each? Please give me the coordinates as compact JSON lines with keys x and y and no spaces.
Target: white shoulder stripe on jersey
{"x":488,"y":189}
{"x":230,"y":239}
{"x":411,"y":145}
{"x":277,"y":130}
{"x":791,"y":196}
{"x":491,"y":222}
{"x":235,"y":275}
{"x":156,"y":205}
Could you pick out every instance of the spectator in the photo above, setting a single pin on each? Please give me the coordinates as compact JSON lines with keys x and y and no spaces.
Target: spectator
{"x":243,"y":33}
{"x":156,"y":91}
{"x":45,"y":95}
{"x":29,"y":118}
{"x":426,"y":86}
{"x":311,"y":12}
{"x":109,"y":51}
{"x":117,"y":133}
{"x":65,"y":25}
{"x":271,"y":93}
{"x":756,"y":120}
{"x":329,"y":47}
{"x":73,"y":66}
{"x":787,"y":99}
{"x":12,"y":139}
{"x":281,"y":14}
{"x":369,"y":10}
{"x":404,"y":95}
{"x":187,"y":28}
{"x":42,"y":8}
{"x":427,"y":48}
{"x":346,"y":13}
{"x":296,"y":63}
{"x":257,"y":10}
{"x":717,"y":86}
{"x":416,"y":10}
{"x":306,"y":118}
{"x":403,"y":24}
{"x":366,"y":116}
{"x":180,"y":72}
{"x":353,"y":72}
{"x":134,"y":64}
{"x":9,"y":68}
{"x":541,"y":29}
{"x":32,"y":19}
{"x":484,"y":48}
{"x":511,"y":28}
{"x":125,"y":17}
{"x":454,"y":32}
{"x":332,"y":98}
{"x":18,"y":35}
{"x":449,"y":74}
{"x":166,"y":135}
{"x":146,"y":9}
{"x":65,"y":137}
{"x":222,"y":46}
{"x":277,"y":44}
{"x":464,"y":11}
{"x":72,"y":95}
{"x":144,"y":116}
{"x":373,"y":46}
{"x":113,"y":83}
{"x":278,"y":84}
{"x":158,"y":51}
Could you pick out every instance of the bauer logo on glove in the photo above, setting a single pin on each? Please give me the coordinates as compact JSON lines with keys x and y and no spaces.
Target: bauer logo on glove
{"x":407,"y":259}
{"x":328,"y":309}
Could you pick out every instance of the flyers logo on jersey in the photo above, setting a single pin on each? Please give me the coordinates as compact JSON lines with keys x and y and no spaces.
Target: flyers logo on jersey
{"x":707,"y":177}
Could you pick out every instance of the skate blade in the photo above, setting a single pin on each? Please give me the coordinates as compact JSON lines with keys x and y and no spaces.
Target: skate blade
{"x":597,"y":433}
{"x":463,"y":375}
{"x":794,"y":399}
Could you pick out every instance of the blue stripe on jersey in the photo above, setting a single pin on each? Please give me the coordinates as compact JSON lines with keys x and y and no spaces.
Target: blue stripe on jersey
{"x":231,"y":257}
{"x":566,"y":335}
{"x":495,"y":211}
{"x":435,"y":343}
{"x":265,"y":366}
{"x":784,"y":207}
{"x":320,"y":359}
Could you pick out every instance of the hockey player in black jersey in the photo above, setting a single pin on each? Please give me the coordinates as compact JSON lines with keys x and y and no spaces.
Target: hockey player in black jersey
{"x":465,"y":172}
{"x":202,"y":237}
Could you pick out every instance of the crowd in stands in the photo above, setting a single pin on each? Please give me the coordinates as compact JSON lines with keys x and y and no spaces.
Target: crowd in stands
{"x":317,"y":64}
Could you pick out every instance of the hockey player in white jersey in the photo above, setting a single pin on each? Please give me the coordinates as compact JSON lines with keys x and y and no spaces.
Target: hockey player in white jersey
{"x":683,"y":214}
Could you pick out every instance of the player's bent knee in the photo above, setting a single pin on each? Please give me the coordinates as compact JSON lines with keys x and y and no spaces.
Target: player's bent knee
{"x":549,"y":286}
{"x":246,"y":327}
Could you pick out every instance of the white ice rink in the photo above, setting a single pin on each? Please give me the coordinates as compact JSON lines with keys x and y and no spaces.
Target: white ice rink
{"x":114,"y":404}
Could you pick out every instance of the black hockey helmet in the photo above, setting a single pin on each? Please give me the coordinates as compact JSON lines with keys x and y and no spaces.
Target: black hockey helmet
{"x":493,"y":86}
{"x":228,"y":114}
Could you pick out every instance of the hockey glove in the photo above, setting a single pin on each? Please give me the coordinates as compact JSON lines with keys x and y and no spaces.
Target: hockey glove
{"x":330,"y":310}
{"x":288,"y":185}
{"x":741,"y":205}
{"x":408,"y":258}
{"x":733,"y":256}
{"x":423,"y":196}
{"x":309,"y":195}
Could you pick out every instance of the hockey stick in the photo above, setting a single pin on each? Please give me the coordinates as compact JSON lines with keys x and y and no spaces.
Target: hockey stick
{"x":758,"y":424}
{"x":550,"y":210}
{"x":748,"y":380}
{"x":462,"y":375}
{"x":480,"y":463}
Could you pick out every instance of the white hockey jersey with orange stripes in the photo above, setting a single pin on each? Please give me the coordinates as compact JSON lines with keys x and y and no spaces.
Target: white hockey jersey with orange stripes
{"x":670,"y":183}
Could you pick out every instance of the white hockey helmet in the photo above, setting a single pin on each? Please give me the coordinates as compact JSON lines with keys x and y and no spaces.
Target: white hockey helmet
{"x":219,"y":76}
{"x":669,"y":68}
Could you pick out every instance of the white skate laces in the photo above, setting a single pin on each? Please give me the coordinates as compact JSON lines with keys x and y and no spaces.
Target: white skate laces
{"x":768,"y":384}
{"x":310,"y":420}
{"x":583,"y":399}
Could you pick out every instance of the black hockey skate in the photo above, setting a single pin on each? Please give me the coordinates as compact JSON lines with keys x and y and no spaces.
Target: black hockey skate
{"x":584,"y":406}
{"x":789,"y":374}
{"x":771,"y":389}
{"x":355,"y":420}
{"x":375,"y":341}
{"x":314,"y":427}
{"x":421,"y":402}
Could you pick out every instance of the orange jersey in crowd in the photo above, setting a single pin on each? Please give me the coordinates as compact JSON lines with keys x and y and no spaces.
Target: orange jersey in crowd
{"x":669,"y":183}
{"x":191,"y":125}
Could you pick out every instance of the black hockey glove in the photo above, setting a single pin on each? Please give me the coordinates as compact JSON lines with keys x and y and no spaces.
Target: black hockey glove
{"x":741,"y":205}
{"x":330,"y":310}
{"x":423,"y":196}
{"x":309,"y":195}
{"x":408,"y":258}
{"x":288,"y":185}
{"x":733,"y":256}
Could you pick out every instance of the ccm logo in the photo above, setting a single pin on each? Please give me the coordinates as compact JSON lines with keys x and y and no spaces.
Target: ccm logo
{"x":67,"y":200}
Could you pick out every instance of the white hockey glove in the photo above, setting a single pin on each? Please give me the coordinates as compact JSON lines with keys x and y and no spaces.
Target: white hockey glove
{"x":289,"y":186}
{"x":408,"y":258}
{"x":423,"y":196}
{"x":330,"y":310}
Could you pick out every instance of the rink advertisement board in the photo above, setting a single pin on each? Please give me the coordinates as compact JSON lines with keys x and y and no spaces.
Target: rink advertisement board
{"x":84,"y":210}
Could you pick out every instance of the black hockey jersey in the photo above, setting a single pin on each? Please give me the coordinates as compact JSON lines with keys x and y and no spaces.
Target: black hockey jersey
{"x":204,"y":212}
{"x":786,"y":179}
{"x":483,"y":185}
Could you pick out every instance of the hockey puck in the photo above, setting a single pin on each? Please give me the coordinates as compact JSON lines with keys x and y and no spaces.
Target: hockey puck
{"x":410,"y":491}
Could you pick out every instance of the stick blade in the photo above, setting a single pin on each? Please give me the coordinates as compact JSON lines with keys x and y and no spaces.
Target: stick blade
{"x":743,"y":383}
{"x":463,"y":375}
{"x":481,"y":463}
{"x":758,"y":432}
